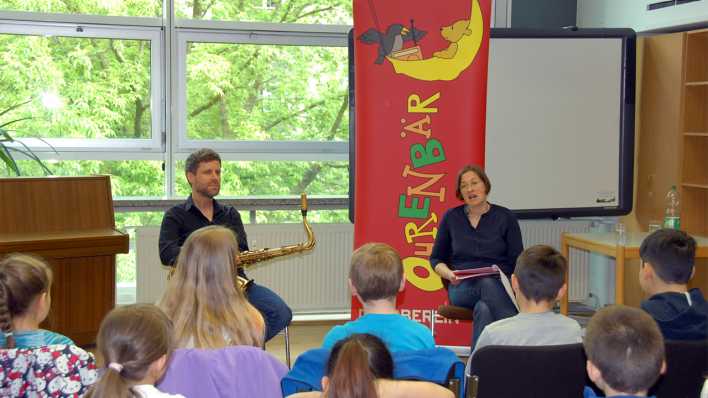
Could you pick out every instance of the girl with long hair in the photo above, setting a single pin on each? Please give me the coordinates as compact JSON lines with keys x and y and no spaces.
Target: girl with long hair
{"x":25,"y":299}
{"x":135,"y":342}
{"x":207,"y":309}
{"x":361,"y":366}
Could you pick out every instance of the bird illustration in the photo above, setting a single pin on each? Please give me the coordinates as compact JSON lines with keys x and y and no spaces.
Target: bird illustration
{"x":392,"y":40}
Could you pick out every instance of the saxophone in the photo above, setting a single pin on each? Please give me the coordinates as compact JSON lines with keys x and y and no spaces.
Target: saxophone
{"x":248,"y":258}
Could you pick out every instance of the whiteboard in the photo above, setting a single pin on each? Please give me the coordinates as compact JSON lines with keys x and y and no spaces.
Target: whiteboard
{"x":558,"y":142}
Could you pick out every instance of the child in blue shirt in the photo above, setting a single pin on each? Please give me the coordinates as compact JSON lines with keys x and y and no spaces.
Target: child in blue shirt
{"x":667,"y":265}
{"x":25,"y":284}
{"x":625,"y":352}
{"x":375,"y":278}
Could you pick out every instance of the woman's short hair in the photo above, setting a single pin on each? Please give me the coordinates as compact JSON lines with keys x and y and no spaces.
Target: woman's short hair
{"x":480,"y":173}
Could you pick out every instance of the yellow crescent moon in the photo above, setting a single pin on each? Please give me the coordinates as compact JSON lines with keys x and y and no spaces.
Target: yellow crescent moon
{"x":434,"y":68}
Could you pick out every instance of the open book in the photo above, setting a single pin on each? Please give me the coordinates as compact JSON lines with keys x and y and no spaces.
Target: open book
{"x":485,"y":271}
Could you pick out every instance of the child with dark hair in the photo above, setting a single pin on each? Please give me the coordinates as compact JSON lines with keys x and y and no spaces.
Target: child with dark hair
{"x":375,"y":278}
{"x":538,"y":281}
{"x":25,"y":299}
{"x":135,"y":342}
{"x":360,"y":366}
{"x":667,"y":265}
{"x":625,"y":352}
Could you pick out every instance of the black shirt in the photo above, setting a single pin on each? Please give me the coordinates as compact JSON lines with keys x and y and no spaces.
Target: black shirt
{"x":183,"y":219}
{"x":495,"y":240}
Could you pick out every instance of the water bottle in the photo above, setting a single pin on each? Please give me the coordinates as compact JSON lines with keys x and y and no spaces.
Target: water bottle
{"x":672,"y":217}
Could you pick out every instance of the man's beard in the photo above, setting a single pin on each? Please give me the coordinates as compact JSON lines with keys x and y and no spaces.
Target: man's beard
{"x":205,"y":192}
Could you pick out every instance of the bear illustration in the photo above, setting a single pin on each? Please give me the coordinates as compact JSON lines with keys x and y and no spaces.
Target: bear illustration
{"x":453,"y":34}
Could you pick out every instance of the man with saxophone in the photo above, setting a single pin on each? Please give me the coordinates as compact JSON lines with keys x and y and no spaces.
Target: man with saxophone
{"x":203,"y":172}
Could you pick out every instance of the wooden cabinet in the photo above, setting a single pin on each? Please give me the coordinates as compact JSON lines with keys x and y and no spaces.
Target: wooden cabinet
{"x":694,"y":133}
{"x":673,"y":142}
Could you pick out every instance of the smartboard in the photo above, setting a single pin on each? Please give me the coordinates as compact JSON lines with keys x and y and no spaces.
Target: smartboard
{"x":559,"y":136}
{"x":560,"y":122}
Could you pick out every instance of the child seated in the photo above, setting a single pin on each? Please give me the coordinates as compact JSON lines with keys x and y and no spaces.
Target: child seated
{"x":207,"y":309}
{"x":667,"y":258}
{"x":375,"y":277}
{"x":25,"y":298}
{"x":538,"y":282}
{"x":360,"y":366}
{"x":135,"y":342}
{"x":625,"y":352}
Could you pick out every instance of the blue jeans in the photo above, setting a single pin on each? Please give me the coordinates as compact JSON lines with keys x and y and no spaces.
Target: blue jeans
{"x":276,"y":313}
{"x":487,"y":299}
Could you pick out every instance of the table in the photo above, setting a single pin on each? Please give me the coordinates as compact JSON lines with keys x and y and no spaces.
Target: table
{"x":606,"y":243}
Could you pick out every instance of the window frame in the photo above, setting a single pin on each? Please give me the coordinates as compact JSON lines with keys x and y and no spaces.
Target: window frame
{"x":259,"y":34}
{"x":151,"y":34}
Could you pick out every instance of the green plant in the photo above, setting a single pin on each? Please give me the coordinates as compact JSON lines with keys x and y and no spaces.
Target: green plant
{"x":10,"y":147}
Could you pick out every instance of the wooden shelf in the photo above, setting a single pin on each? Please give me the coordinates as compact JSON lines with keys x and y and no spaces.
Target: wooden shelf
{"x":694,"y":156}
{"x":690,"y":185}
{"x":674,"y":128}
{"x":695,"y":58}
{"x":697,"y":32}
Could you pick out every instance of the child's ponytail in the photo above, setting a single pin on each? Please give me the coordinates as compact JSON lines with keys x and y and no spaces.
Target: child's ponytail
{"x":5,"y":316}
{"x":354,"y":365}
{"x":111,"y":384}
{"x":130,"y":340}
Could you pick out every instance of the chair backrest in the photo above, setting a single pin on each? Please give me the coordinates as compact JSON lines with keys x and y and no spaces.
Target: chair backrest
{"x":437,"y":365}
{"x":523,"y":371}
{"x":240,"y":371}
{"x":306,"y":374}
{"x":686,"y":369}
{"x":56,"y":370}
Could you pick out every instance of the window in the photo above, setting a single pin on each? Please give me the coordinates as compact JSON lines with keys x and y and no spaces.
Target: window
{"x":263,"y":92}
{"x":81,"y":87}
{"x":266,"y":93}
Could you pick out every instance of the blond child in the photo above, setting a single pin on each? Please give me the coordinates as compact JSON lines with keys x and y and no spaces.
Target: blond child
{"x":375,"y":278}
{"x":207,"y":309}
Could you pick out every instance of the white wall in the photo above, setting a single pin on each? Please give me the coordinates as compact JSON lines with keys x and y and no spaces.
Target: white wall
{"x":633,"y":14}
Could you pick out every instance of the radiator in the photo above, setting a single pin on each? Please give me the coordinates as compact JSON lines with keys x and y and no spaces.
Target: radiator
{"x":316,"y":282}
{"x":536,"y":232}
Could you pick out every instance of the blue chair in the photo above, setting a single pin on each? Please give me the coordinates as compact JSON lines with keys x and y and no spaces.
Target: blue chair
{"x":437,"y":365}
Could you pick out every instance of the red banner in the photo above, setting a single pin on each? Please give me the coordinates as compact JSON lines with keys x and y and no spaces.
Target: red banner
{"x":421,"y":88}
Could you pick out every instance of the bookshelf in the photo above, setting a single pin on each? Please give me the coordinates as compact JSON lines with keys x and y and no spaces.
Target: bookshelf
{"x":673,"y":132}
{"x":694,"y":137}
